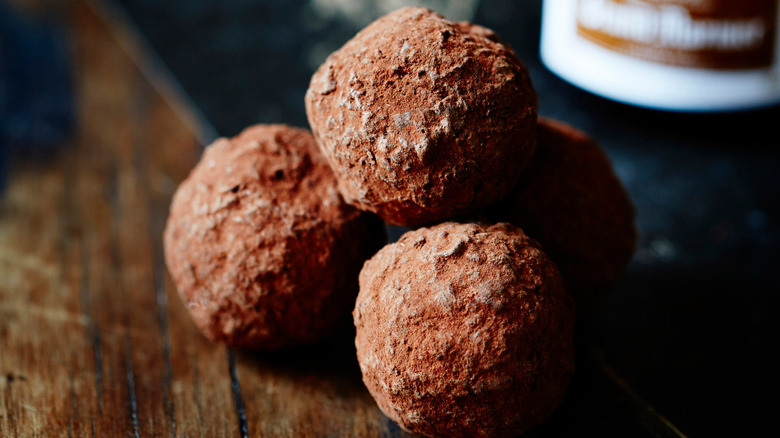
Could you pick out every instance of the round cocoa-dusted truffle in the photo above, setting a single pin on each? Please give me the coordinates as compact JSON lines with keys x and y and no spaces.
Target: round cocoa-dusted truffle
{"x":423,"y":119}
{"x":571,"y":201}
{"x":262,"y":248}
{"x":464,"y":330}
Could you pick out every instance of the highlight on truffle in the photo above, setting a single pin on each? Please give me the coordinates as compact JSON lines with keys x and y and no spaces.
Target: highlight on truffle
{"x":262,"y":248}
{"x":571,"y":201}
{"x":423,"y":119}
{"x":464,"y":330}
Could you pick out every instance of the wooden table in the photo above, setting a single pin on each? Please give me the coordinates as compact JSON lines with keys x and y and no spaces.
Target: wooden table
{"x":94,"y":340}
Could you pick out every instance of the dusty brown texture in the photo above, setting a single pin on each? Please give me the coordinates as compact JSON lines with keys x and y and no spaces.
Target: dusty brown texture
{"x":464,"y":330}
{"x":423,"y":119}
{"x":572,"y":202}
{"x":262,"y":248}
{"x":94,"y":340}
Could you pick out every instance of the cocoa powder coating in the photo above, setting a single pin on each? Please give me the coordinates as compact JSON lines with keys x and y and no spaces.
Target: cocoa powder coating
{"x":262,"y":248}
{"x":423,"y":119}
{"x":464,"y":330}
{"x":572,"y":202}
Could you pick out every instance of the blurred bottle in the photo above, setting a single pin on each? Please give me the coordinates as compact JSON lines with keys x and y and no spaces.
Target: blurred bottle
{"x":686,"y":55}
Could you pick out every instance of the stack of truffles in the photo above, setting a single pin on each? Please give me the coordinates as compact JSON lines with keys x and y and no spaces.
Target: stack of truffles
{"x":465,"y":325}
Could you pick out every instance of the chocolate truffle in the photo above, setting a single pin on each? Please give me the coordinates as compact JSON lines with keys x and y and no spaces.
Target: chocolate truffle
{"x":423,"y":119}
{"x":571,"y":201}
{"x":262,"y":248}
{"x":464,"y":330}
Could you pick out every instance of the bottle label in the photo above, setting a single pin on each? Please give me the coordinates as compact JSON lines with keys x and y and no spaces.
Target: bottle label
{"x":712,"y":34}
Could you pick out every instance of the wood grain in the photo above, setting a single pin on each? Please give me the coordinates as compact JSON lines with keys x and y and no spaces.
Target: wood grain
{"x":94,"y":340}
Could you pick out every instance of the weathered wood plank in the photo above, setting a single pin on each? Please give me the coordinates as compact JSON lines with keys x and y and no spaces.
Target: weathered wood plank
{"x":310,"y":389}
{"x":177,"y":383}
{"x":93,"y":340}
{"x":35,"y":310}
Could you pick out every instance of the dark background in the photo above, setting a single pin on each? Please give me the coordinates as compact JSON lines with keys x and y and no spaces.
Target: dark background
{"x":691,"y":328}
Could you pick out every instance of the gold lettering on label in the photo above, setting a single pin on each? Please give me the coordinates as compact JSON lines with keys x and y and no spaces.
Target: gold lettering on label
{"x":695,"y":33}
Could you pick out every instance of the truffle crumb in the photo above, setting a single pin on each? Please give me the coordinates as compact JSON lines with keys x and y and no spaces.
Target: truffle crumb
{"x":571,"y":201}
{"x":483,"y":349}
{"x":446,"y":110}
{"x":263,"y":250}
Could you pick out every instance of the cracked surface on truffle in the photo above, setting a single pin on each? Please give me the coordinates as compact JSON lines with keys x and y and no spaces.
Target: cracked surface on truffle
{"x":572,"y":202}
{"x":464,"y":330}
{"x":262,"y":248}
{"x":423,"y":119}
